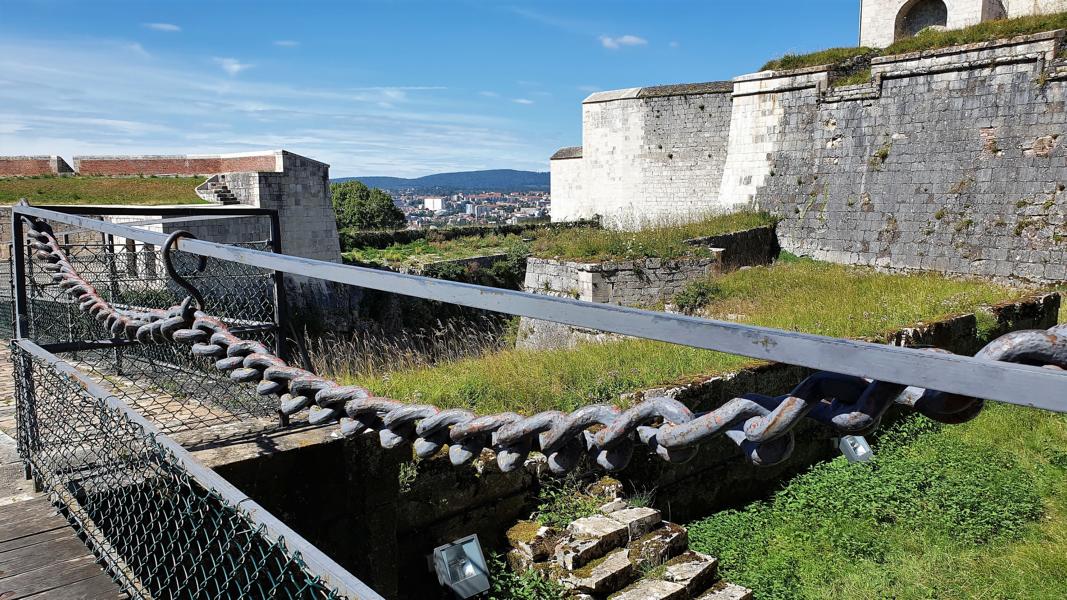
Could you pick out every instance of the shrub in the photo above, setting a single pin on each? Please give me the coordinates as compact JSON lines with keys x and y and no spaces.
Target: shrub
{"x":505,"y":584}
{"x":696,"y":295}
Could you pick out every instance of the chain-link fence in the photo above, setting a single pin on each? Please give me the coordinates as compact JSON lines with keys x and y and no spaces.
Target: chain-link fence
{"x":166,"y":383}
{"x":163,"y":525}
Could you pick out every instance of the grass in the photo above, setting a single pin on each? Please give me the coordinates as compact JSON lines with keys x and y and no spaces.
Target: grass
{"x":100,"y":190}
{"x":801,"y":295}
{"x":580,"y":243}
{"x":971,"y":511}
{"x":926,"y":40}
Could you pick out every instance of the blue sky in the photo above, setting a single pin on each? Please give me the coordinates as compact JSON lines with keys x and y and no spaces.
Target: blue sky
{"x":373,"y":87}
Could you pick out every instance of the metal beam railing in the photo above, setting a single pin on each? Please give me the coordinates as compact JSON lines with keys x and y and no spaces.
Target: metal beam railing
{"x":314,"y":561}
{"x":1002,"y":381}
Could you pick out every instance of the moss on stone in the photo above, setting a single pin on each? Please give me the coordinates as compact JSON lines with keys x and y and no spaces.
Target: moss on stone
{"x":523,"y":532}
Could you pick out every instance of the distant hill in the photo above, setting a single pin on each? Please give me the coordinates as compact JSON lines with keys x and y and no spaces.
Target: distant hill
{"x":496,"y":180}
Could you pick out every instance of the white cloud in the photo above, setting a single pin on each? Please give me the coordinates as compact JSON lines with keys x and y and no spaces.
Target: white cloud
{"x":232,"y":66}
{"x":488,"y":94}
{"x":525,"y":101}
{"x":614,"y":43}
{"x":168,"y":27}
{"x":286,"y":43}
{"x":674,"y":44}
{"x":75,"y":97}
{"x":589,"y":88}
{"x":138,"y":49}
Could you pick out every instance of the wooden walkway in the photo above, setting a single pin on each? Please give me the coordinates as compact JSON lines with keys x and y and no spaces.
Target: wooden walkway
{"x":42,"y":559}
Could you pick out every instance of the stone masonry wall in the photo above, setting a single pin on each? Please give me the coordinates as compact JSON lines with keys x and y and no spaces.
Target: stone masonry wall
{"x":28,"y":166}
{"x":646,"y":154}
{"x":950,"y":160}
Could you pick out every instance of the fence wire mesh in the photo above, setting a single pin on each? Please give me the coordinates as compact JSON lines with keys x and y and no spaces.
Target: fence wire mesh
{"x":168,"y":384}
{"x":160,"y":532}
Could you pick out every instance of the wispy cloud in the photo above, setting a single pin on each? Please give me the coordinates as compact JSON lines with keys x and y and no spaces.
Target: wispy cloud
{"x":526,"y":101}
{"x":614,"y":43}
{"x":168,"y":27}
{"x":286,"y":43}
{"x":232,"y":66}
{"x":138,"y":49}
{"x":87,"y":97}
{"x":674,"y":44}
{"x":589,"y":88}
{"x":489,"y":94}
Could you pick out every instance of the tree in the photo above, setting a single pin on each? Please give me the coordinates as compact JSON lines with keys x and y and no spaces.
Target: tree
{"x":357,"y":206}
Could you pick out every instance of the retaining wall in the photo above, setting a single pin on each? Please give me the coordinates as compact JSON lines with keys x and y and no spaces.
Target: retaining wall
{"x":950,"y":160}
{"x":178,"y":165}
{"x":28,"y":166}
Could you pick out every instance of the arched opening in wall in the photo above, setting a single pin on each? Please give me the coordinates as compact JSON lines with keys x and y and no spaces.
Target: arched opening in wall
{"x":917,"y":15}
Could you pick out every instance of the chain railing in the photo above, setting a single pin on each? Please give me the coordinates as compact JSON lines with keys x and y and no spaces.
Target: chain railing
{"x":848,"y":402}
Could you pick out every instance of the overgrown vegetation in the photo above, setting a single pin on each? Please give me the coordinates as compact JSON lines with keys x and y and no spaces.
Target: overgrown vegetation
{"x":505,"y":584}
{"x":100,"y":190}
{"x":666,"y":240}
{"x":560,"y":502}
{"x":801,"y":295}
{"x":970,"y":511}
{"x":830,"y":56}
{"x":928,"y":39}
{"x":357,"y":206}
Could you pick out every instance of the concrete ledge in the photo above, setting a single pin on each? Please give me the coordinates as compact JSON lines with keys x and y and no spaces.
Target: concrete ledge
{"x":1055,"y":35}
{"x":567,"y":153}
{"x":611,"y":95}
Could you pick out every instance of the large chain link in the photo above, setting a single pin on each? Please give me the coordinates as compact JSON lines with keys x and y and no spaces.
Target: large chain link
{"x":762,"y":426}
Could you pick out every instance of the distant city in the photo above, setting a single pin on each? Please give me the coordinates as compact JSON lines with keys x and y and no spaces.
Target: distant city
{"x":494,"y":197}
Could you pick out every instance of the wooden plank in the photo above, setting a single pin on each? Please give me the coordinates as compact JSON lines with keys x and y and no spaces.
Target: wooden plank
{"x":37,"y":538}
{"x":99,"y":587}
{"x":36,"y":556}
{"x":55,"y":575}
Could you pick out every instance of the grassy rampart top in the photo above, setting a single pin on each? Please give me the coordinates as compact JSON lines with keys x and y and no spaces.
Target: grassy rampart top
{"x":927,"y":40}
{"x":805,"y":296}
{"x":579,"y":243}
{"x":100,"y":190}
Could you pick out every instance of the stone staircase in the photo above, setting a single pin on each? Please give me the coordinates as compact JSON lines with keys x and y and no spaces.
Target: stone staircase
{"x":216,"y":190}
{"x":622,"y":553}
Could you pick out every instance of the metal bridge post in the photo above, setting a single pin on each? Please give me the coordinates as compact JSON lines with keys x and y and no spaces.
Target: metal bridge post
{"x":281,"y":306}
{"x":18,"y":275}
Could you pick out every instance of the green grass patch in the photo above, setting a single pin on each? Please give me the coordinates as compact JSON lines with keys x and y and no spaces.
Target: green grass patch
{"x":831,"y":56}
{"x":802,"y":295}
{"x":100,"y":190}
{"x":971,"y":511}
{"x":856,"y":78}
{"x":579,"y":243}
{"x":927,"y":40}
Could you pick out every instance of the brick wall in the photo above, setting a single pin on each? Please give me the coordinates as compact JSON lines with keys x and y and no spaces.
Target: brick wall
{"x":28,"y":166}
{"x":176,"y":165}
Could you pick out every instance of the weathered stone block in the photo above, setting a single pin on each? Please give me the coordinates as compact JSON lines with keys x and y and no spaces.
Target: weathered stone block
{"x":656,"y":547}
{"x":532,"y":539}
{"x":601,"y":576}
{"x":693,"y":570}
{"x":638,"y":520}
{"x":589,"y":538}
{"x":727,"y":591}
{"x":651,"y":589}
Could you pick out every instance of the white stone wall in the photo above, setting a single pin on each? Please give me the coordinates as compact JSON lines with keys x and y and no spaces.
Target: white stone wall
{"x":878,"y":18}
{"x":648,"y":155}
{"x":758,"y":117}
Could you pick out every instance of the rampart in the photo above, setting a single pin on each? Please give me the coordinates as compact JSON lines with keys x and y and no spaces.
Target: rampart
{"x":29,"y":166}
{"x":187,"y":165}
{"x":950,"y":159}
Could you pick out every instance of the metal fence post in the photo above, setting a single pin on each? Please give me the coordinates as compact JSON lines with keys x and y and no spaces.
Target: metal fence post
{"x":281,"y":306}
{"x":18,"y":275}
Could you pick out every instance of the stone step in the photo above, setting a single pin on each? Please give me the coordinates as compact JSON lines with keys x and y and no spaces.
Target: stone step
{"x":726,"y":591}
{"x":590,"y":538}
{"x":638,"y":520}
{"x":652,"y":589}
{"x":692,"y":570}
{"x":659,"y":545}
{"x":601,"y":576}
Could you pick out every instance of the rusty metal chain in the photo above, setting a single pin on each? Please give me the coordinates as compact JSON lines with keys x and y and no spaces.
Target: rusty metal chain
{"x":760,"y":425}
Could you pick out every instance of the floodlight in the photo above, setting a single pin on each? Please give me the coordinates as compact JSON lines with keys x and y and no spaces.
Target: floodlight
{"x":461,"y":567}
{"x":855,"y":448}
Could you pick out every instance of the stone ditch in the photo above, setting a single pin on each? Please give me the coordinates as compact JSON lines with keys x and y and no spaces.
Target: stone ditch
{"x":380,"y":513}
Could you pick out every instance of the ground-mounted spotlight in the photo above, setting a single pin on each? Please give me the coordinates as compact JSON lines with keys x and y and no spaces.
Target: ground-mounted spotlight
{"x":855,"y":448}
{"x":461,"y":567}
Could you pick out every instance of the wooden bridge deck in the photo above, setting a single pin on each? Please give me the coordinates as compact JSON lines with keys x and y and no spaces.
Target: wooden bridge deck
{"x":41,"y":558}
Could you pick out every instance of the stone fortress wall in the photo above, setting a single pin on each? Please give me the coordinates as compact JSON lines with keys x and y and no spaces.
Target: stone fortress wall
{"x":951,"y":159}
{"x":30,"y":166}
{"x":883,"y":22}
